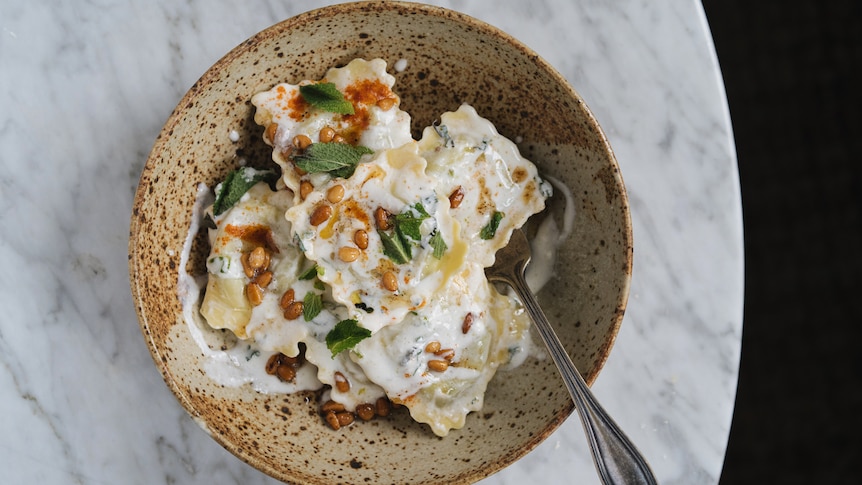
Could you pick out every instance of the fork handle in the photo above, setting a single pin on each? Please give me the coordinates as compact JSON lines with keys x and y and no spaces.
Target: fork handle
{"x":617,"y":460}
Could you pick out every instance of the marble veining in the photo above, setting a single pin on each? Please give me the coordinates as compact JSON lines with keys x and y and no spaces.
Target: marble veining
{"x":85,"y":88}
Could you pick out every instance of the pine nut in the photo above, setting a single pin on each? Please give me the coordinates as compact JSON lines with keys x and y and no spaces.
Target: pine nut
{"x":345,"y":418}
{"x":246,"y":267}
{"x":269,"y":134}
{"x":305,"y":188}
{"x":390,"y":281}
{"x":456,"y":197}
{"x":381,"y":217}
{"x":365,"y":411}
{"x":341,"y":382}
{"x":447,"y":354}
{"x":326,"y":134}
{"x":272,"y":363}
{"x":382,"y":407}
{"x":254,"y":294}
{"x":432,"y":347}
{"x":332,"y":406}
{"x":467,"y":323}
{"x":264,"y":279}
{"x":348,"y":254}
{"x":301,"y":141}
{"x":287,"y":298}
{"x":386,"y":104}
{"x":337,"y":139}
{"x":335,"y":193}
{"x":293,"y":311}
{"x":438,"y":365}
{"x":360,"y":238}
{"x":320,"y":215}
{"x":286,"y":373}
{"x":332,"y":420}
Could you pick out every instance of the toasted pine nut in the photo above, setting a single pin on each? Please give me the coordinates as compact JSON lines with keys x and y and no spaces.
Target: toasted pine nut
{"x":382,"y":407}
{"x":264,"y":279}
{"x":447,"y":354}
{"x":332,"y":420}
{"x":272,"y":363}
{"x":246,"y":267}
{"x":301,"y":141}
{"x":438,"y":365}
{"x":287,"y":298}
{"x":254,"y":294}
{"x":467,"y":323}
{"x":338,"y":139}
{"x":305,"y":188}
{"x":335,"y":193}
{"x":345,"y":418}
{"x":456,"y":197}
{"x":286,"y":373}
{"x":341,"y":382}
{"x":390,"y":281}
{"x":386,"y":104}
{"x":432,"y":347}
{"x":257,"y":257}
{"x":269,"y":133}
{"x":332,"y":406}
{"x":365,"y":411}
{"x":381,"y":217}
{"x":348,"y":254}
{"x":326,"y":134}
{"x":320,"y":215}
{"x":293,"y":311}
{"x":360,"y":238}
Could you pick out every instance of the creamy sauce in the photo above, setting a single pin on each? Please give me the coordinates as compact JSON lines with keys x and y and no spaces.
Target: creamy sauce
{"x":459,"y":191}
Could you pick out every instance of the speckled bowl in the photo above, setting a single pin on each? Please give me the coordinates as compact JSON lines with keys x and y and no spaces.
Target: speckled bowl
{"x":451,"y":59}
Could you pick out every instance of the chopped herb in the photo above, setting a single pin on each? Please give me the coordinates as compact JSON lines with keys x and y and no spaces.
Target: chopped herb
{"x":395,"y":247}
{"x":364,"y":307}
{"x":308,"y":274}
{"x":319,"y":285}
{"x":345,"y":336}
{"x":327,"y":97}
{"x":236,"y":184}
{"x":490,"y":229}
{"x":338,"y":159}
{"x":298,"y":241}
{"x":443,"y":132}
{"x":252,"y":353}
{"x":312,"y":304}
{"x":438,"y":244}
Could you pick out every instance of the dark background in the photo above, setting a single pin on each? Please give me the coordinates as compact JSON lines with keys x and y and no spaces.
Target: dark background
{"x":790,"y":71}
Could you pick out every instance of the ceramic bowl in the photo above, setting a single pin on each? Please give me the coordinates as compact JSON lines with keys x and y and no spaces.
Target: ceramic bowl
{"x":451,"y":59}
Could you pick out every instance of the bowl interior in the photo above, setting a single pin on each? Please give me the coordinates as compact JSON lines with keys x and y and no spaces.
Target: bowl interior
{"x":451,"y":59}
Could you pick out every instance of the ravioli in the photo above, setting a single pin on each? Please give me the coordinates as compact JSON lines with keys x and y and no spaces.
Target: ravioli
{"x":384,"y":234}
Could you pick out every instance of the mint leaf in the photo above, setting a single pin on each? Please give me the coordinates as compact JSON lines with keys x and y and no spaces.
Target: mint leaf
{"x":408,"y":222}
{"x":312,"y":304}
{"x":309,"y":273}
{"x":490,"y":229}
{"x":339,"y":159}
{"x":327,"y":97}
{"x":394,"y":247}
{"x":438,"y":244}
{"x":345,"y":336}
{"x":236,"y":184}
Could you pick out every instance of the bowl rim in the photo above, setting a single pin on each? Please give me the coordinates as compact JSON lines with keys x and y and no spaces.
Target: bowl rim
{"x":280,"y":28}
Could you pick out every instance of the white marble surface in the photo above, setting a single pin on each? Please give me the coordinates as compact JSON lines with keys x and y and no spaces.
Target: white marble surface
{"x":86,"y":86}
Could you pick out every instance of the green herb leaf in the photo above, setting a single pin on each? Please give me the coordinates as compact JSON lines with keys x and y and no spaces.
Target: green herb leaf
{"x":312,"y":304}
{"x":339,"y":159}
{"x":408,"y":222}
{"x":490,"y":229}
{"x":327,"y":97}
{"x":364,"y":307}
{"x":345,"y":336}
{"x":438,"y":244}
{"x":394,"y":248}
{"x":236,"y":184}
{"x":443,"y":132}
{"x":308,"y":274}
